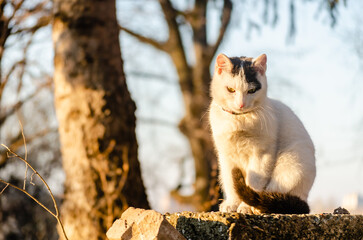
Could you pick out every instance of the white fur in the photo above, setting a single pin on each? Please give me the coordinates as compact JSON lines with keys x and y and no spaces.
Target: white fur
{"x":267,"y":141}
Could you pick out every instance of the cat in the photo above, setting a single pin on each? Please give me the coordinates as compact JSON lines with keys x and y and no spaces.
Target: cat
{"x":260,"y":136}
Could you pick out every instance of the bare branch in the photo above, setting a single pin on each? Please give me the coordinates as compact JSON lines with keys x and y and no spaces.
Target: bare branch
{"x":27,"y":12}
{"x":186,"y":14}
{"x":4,"y":155}
{"x":152,"y":77}
{"x":17,"y":142}
{"x":6,"y":78}
{"x":292,"y":29}
{"x":20,"y":103}
{"x":16,"y":7}
{"x":175,"y":48}
{"x":225,"y":20}
{"x":141,"y":38}
{"x":170,"y":16}
{"x":275,"y":12}
{"x":42,"y":22}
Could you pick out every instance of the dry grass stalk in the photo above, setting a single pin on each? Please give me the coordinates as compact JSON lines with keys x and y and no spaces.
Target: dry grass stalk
{"x":12,"y":154}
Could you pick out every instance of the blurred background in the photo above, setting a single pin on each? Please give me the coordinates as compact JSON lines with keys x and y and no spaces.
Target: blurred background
{"x":315,"y":59}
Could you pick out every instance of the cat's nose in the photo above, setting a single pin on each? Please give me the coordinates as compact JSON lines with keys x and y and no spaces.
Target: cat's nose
{"x":241,"y":106}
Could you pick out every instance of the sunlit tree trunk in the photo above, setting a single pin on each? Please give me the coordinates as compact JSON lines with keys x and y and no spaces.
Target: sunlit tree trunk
{"x":96,"y":119}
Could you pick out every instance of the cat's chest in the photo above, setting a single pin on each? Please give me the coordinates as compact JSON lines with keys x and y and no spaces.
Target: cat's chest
{"x":240,"y":139}
{"x":235,"y":130}
{"x":239,"y":146}
{"x":235,"y":140}
{"x":242,"y":136}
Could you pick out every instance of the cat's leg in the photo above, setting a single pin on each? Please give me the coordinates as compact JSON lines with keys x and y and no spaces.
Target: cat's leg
{"x":231,"y":199}
{"x":259,"y":171}
{"x":294,"y":173}
{"x":257,"y":177}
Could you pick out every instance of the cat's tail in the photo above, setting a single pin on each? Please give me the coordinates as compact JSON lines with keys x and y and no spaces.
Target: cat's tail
{"x":268,"y":202}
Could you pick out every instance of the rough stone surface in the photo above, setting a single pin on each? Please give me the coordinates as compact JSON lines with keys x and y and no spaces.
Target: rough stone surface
{"x":216,"y":225}
{"x":142,"y":224}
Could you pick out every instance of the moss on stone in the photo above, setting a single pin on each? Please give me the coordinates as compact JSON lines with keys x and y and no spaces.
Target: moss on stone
{"x":216,"y":225}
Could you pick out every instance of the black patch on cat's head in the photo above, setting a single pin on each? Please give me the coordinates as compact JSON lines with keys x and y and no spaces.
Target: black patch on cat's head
{"x":248,"y":69}
{"x":237,"y":65}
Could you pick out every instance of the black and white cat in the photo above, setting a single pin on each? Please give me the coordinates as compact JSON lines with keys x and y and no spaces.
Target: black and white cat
{"x":260,"y":137}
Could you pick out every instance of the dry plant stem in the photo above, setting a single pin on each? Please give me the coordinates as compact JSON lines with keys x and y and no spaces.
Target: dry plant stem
{"x":36,"y":172}
{"x":56,"y":215}
{"x":26,"y":155}
{"x":29,"y":195}
{"x":7,"y":185}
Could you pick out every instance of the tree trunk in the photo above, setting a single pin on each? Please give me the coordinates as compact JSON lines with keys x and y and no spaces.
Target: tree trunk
{"x":195,"y":125}
{"x":96,"y":119}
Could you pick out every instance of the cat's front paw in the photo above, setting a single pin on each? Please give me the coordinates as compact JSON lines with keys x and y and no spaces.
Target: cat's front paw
{"x":227,"y":206}
{"x":244,"y":208}
{"x":256,"y":211}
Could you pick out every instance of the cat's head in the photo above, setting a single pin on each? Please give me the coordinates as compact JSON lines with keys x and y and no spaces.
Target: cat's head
{"x":239,"y":83}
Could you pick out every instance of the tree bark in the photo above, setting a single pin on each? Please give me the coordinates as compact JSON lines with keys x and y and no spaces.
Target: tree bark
{"x":96,"y":119}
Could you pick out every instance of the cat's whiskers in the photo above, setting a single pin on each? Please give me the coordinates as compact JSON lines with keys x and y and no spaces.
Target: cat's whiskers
{"x":260,"y":119}
{"x":270,"y":112}
{"x":265,"y":121}
{"x":263,"y":116}
{"x":256,"y":116}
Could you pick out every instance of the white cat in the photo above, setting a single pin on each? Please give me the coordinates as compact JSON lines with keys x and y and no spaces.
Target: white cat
{"x":260,"y":136}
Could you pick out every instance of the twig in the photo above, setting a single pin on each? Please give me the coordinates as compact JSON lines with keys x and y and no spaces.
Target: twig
{"x":26,"y":154}
{"x":56,"y":214}
{"x":31,"y":179}
{"x":29,"y":195}
{"x":225,"y":20}
{"x":141,"y":38}
{"x":36,"y":172}
{"x":7,"y":185}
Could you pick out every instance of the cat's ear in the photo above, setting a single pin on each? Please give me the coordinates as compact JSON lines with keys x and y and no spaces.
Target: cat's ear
{"x":260,"y":64}
{"x":223,"y":63}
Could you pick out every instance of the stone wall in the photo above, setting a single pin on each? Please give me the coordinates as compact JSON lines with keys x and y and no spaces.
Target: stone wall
{"x":216,"y":226}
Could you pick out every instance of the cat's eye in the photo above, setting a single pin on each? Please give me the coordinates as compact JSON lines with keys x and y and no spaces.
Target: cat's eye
{"x":252,"y":90}
{"x":231,"y":90}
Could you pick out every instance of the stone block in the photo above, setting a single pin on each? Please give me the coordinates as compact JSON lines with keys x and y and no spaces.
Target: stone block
{"x":142,"y":224}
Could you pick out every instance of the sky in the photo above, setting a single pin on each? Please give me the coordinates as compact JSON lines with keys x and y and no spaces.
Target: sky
{"x":317,"y":73}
